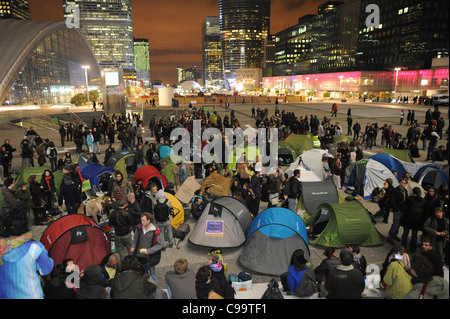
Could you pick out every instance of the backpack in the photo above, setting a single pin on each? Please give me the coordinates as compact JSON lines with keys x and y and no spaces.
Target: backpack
{"x":161,"y":211}
{"x":272,"y":291}
{"x":181,"y":232}
{"x":287,"y":188}
{"x":53,"y":153}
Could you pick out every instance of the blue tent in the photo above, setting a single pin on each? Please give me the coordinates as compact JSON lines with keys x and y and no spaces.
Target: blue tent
{"x":391,"y":163}
{"x":274,"y":235}
{"x":93,"y":173}
{"x":431,"y":175}
{"x":83,"y":160}
{"x":164,"y":151}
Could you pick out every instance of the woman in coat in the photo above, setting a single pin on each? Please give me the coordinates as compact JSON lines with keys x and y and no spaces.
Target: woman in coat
{"x":412,"y":219}
{"x":48,"y":188}
{"x":37,"y":197}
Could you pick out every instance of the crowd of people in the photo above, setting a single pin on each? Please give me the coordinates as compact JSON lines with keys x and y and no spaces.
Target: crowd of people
{"x":141,"y":217}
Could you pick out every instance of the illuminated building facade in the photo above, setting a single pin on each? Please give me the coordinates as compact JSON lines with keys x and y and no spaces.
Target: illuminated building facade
{"x":244,"y":26}
{"x":16,"y":9}
{"x":212,"y":54}
{"x":42,"y":63}
{"x":142,"y":61}
{"x":108,"y":27}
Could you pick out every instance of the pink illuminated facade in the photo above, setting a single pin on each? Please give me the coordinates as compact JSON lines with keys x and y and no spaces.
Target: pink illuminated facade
{"x":364,"y":83}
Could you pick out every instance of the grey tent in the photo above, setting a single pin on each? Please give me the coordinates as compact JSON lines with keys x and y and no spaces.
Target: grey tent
{"x":274,"y":235}
{"x":224,"y":223}
{"x":314,"y":194}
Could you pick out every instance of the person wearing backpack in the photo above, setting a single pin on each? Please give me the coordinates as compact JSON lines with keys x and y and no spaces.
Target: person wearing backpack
{"x":292,"y":190}
{"x":162,"y":211}
{"x":52,"y":154}
{"x":412,"y":219}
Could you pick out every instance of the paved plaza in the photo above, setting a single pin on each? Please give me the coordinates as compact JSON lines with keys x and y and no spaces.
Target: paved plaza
{"x":364,"y":112}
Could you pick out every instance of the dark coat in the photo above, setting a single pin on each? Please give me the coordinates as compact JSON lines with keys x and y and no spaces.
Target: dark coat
{"x":131,"y":284}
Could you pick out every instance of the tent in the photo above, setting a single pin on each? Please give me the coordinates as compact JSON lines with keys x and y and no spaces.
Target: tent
{"x":251,"y":152}
{"x":312,"y":159}
{"x":314,"y":194}
{"x":25,"y":172}
{"x":167,"y":164}
{"x":96,"y":174}
{"x":220,"y":185}
{"x":366,"y":175}
{"x":306,"y":174}
{"x":78,"y":237}
{"x":338,"y":225}
{"x":149,"y":173}
{"x":124,"y":162}
{"x":286,"y":153}
{"x":431,"y":175}
{"x":178,"y":210}
{"x":224,"y":223}
{"x":83,"y":160}
{"x":164,"y":151}
{"x":300,"y":142}
{"x":391,"y":163}
{"x":274,"y":235}
{"x":402,"y":155}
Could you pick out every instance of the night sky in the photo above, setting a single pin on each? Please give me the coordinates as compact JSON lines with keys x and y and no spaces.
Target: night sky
{"x":174,"y":27}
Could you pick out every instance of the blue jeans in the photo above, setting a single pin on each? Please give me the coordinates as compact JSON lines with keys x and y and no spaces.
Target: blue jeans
{"x":97,"y":147}
{"x":292,"y":204}
{"x":148,"y":270}
{"x":393,"y":231}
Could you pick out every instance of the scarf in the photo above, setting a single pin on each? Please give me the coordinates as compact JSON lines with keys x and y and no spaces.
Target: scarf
{"x":47,"y":179}
{"x":8,"y":244}
{"x":216,"y":267}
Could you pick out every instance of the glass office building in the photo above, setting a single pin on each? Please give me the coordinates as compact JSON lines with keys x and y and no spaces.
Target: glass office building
{"x":142,"y":61}
{"x":108,"y":26}
{"x":244,"y":27}
{"x":15,"y":9}
{"x":212,"y":54}
{"x":42,"y":63}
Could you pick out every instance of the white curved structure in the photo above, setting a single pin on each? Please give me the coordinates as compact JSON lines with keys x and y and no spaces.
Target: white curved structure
{"x":165,"y":96}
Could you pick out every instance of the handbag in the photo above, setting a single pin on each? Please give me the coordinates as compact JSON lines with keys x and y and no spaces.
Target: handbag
{"x":273,"y":199}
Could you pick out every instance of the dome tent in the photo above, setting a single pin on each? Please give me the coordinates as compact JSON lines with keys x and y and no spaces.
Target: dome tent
{"x":224,"y":223}
{"x":286,"y":152}
{"x":83,"y":160}
{"x":431,"y":175}
{"x":78,"y":237}
{"x":274,"y":235}
{"x":338,"y":225}
{"x":124,"y":162}
{"x":149,"y":173}
{"x":95,"y":173}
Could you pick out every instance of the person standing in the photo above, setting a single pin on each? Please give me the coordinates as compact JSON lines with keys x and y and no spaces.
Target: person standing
{"x":402,"y":116}
{"x":122,"y":222}
{"x":162,"y":211}
{"x":70,"y":194}
{"x":398,"y":204}
{"x":255,"y":189}
{"x":437,"y":229}
{"x":147,"y":245}
{"x":349,"y":125}
{"x":293,"y":190}
{"x":20,"y":277}
{"x":412,"y":219}
{"x":62,"y":134}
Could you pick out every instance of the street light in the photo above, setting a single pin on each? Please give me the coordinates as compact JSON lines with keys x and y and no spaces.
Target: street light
{"x":86,"y":67}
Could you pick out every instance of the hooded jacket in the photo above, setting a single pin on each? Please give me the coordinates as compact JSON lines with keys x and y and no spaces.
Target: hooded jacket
{"x":92,"y":285}
{"x":70,"y":193}
{"x":437,"y":289}
{"x":130,"y":284}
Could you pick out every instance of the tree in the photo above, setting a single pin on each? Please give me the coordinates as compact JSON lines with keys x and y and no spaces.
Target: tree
{"x":93,"y":95}
{"x":79,"y":99}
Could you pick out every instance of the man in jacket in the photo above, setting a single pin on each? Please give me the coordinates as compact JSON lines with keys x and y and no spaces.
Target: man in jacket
{"x":356,"y":130}
{"x":294,"y":190}
{"x":398,"y":204}
{"x":70,"y":194}
{"x":147,"y":245}
{"x":425,"y":285}
{"x":345,"y":282}
{"x":122,"y":222}
{"x":134,"y":210}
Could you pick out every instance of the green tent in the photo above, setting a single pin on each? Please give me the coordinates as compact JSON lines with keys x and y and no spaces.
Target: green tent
{"x":287,"y":152}
{"x":341,"y":138}
{"x":251,"y":151}
{"x":124,"y":162}
{"x":167,"y":164}
{"x":344,"y":224}
{"x":300,"y":142}
{"x":403,"y":155}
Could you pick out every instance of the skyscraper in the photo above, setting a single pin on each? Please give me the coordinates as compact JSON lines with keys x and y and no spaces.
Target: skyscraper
{"x":212,"y":53}
{"x":142,"y":60}
{"x":244,"y":26}
{"x":16,"y":9}
{"x":108,"y":27}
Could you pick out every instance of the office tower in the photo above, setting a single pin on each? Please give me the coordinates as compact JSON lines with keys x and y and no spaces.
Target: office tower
{"x":108,"y":27}
{"x":410,"y":35}
{"x":16,"y":9}
{"x":212,"y":54}
{"x":142,"y":60}
{"x":244,"y":26}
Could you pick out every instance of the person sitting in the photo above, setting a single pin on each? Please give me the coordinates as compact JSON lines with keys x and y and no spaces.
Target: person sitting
{"x":130,"y":282}
{"x":300,"y":279}
{"x":181,"y":281}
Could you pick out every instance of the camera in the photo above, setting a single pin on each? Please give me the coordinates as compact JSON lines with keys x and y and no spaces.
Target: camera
{"x":398,"y":257}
